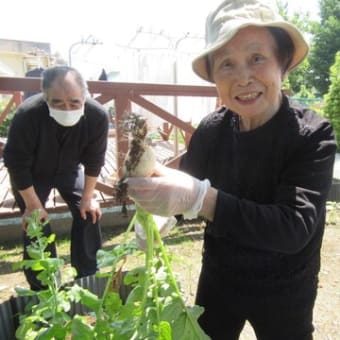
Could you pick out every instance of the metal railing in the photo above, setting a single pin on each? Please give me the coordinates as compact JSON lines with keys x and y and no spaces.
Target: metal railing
{"x":121,"y":96}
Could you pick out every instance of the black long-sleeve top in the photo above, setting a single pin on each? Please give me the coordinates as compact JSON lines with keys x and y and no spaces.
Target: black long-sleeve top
{"x":39,"y":147}
{"x":272,"y":188}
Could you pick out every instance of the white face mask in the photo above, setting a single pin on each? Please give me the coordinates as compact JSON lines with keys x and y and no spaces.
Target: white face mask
{"x":66,"y":118}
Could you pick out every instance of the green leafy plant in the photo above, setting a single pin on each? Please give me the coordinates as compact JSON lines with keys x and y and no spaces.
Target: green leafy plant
{"x":153,"y":309}
{"x":47,"y":315}
{"x":161,"y":312}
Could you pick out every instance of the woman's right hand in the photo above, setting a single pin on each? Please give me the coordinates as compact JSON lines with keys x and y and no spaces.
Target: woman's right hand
{"x":171,"y":192}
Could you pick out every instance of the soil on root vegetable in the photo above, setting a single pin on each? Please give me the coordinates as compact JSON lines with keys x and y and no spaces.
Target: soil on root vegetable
{"x":184,"y":244}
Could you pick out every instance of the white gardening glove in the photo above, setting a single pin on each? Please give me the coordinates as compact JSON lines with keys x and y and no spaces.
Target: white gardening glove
{"x":172,"y":192}
{"x":164,"y":224}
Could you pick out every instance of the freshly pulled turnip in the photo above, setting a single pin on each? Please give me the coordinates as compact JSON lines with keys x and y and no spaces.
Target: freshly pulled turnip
{"x":140,"y":160}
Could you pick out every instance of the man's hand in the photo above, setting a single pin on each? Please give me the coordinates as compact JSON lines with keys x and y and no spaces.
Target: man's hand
{"x":32,"y":202}
{"x":43,"y":216}
{"x":90,"y":206}
{"x":172,"y":192}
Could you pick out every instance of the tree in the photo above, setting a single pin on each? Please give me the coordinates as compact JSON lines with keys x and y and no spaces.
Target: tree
{"x":297,"y":79}
{"x":332,"y":98}
{"x":325,"y":44}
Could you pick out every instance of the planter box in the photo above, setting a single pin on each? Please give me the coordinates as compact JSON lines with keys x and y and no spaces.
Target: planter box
{"x":10,"y":309}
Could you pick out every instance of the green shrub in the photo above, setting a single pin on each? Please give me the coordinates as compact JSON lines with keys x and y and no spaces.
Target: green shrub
{"x":4,"y":126}
{"x":332,"y":98}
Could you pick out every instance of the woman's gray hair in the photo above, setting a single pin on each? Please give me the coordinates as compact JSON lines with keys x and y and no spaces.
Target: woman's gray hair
{"x":52,"y":73}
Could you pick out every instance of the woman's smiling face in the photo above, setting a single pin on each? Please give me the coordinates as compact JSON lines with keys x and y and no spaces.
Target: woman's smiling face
{"x":248,"y":75}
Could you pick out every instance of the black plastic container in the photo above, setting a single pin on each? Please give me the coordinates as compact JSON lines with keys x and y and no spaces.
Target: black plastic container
{"x":12,"y":308}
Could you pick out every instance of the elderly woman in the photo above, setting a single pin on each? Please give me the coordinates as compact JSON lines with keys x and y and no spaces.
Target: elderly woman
{"x":260,"y":171}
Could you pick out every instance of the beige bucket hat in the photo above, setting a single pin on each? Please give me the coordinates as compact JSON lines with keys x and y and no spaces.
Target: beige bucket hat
{"x":231,"y":16}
